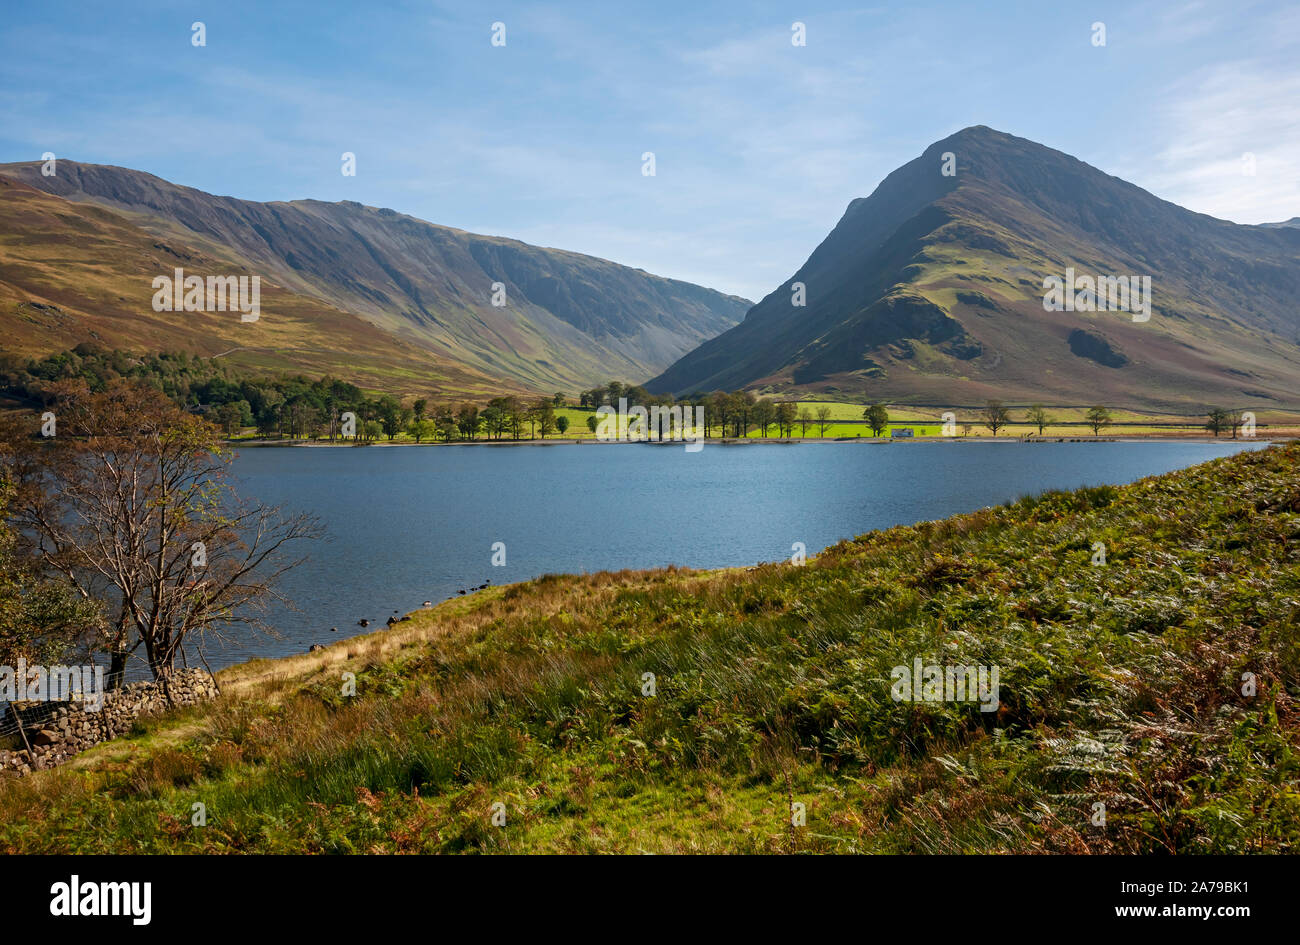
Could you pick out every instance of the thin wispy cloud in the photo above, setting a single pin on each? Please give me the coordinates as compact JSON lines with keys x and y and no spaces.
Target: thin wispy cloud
{"x":1230,"y":139}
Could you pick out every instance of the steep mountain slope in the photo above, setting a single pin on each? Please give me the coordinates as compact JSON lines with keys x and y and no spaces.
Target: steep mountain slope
{"x":931,"y":291}
{"x":77,"y":272}
{"x":567,"y":320}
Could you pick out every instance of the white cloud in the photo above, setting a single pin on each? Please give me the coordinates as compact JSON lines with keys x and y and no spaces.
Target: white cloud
{"x":1208,"y":123}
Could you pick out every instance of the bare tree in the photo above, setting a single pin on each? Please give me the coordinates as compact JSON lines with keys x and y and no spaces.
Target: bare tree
{"x":129,"y":501}
{"x":1217,"y":420}
{"x":823,"y":419}
{"x":995,"y":416}
{"x":1037,"y":415}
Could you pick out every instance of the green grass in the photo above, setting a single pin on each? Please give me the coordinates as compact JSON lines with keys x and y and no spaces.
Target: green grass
{"x":1119,"y":684}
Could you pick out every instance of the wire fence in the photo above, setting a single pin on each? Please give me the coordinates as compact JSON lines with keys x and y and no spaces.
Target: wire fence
{"x":31,"y":714}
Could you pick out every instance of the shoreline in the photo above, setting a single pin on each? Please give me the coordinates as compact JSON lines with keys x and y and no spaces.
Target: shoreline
{"x":773,"y":441}
{"x":262,"y":667}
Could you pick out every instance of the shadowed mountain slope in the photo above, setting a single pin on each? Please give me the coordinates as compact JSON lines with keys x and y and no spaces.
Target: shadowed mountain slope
{"x":931,"y":290}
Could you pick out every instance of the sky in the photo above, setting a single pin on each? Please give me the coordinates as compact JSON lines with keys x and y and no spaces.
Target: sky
{"x":759,"y":144}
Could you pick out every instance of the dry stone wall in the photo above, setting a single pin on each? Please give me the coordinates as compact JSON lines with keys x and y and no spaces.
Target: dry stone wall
{"x":68,"y":728}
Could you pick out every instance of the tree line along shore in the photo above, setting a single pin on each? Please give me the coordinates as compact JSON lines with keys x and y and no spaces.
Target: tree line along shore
{"x":329,"y":410}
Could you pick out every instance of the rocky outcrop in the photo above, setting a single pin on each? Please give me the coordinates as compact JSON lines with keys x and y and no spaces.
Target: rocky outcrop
{"x":57,"y":732}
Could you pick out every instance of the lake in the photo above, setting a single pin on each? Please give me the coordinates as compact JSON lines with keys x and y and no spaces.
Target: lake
{"x":409,"y":524}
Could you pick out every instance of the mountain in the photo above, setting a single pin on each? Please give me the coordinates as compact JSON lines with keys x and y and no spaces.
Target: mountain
{"x":77,"y":272}
{"x":568,"y":320}
{"x":931,"y":291}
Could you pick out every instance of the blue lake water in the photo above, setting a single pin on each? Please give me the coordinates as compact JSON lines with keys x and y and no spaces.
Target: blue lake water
{"x":410,"y":524}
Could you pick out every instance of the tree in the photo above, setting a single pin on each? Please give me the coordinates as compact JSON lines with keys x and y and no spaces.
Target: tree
{"x":805,"y":418}
{"x":543,"y":415}
{"x":268,"y":414}
{"x":422,"y":429}
{"x":1218,"y":420}
{"x":562,"y":424}
{"x":740,"y":408}
{"x":592,"y":423}
{"x":995,"y":416}
{"x":557,"y":400}
{"x":297,"y":417}
{"x":390,"y":415}
{"x":516,"y":416}
{"x":717,"y":409}
{"x":418,"y":408}
{"x":877,"y":418}
{"x":823,"y":419}
{"x":764,"y":414}
{"x":786,"y":415}
{"x":1235,"y":420}
{"x":229,"y":417}
{"x":1037,"y":416}
{"x":445,"y":426}
{"x":468,"y":421}
{"x":42,"y":620}
{"x":130,"y":503}
{"x":1098,"y":417}
{"x":495,"y":418}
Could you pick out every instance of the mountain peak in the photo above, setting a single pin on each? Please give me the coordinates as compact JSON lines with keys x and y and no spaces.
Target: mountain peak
{"x":930,"y":290}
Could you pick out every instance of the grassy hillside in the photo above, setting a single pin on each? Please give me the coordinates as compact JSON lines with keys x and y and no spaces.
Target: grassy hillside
{"x":74,"y":272}
{"x":566,"y":320}
{"x":1119,"y":685}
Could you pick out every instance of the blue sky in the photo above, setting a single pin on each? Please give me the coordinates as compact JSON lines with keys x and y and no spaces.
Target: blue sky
{"x":759,"y":144}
